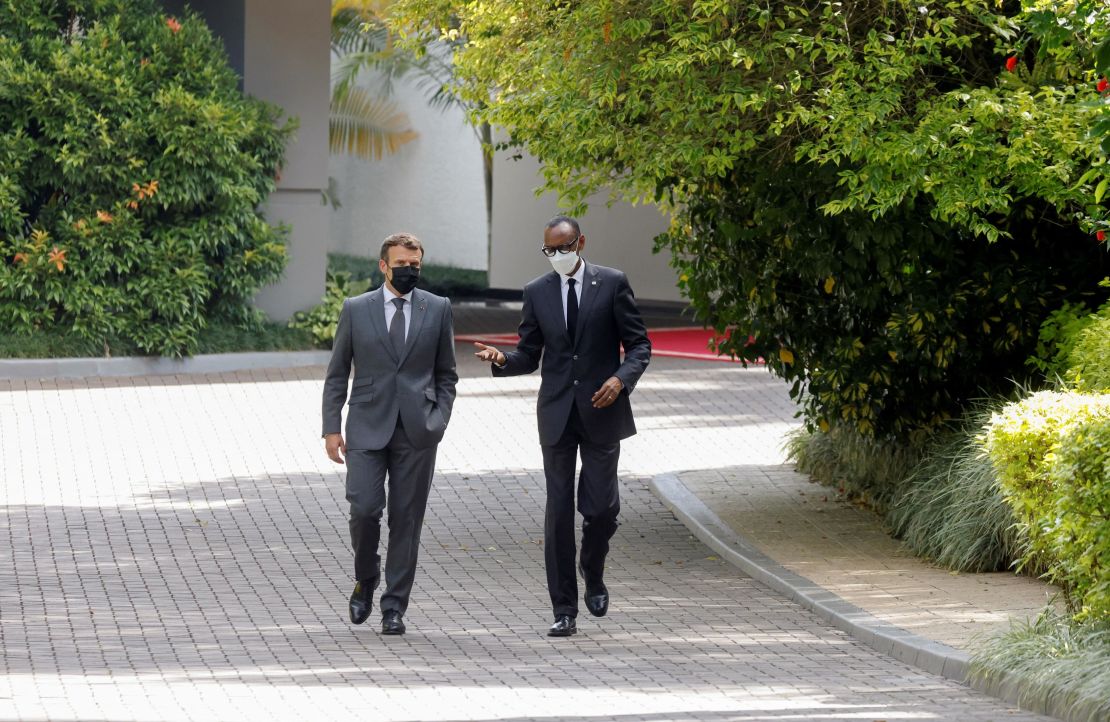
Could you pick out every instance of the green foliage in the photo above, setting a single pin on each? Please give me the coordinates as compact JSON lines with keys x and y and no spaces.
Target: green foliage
{"x":131,"y":171}
{"x":863,"y":188}
{"x":888,"y":324}
{"x":1028,"y":442}
{"x":858,"y":465}
{"x":1053,"y":658}
{"x":950,"y":509}
{"x":1057,"y":337}
{"x":1077,"y":525}
{"x":320,"y":320}
{"x":1088,"y":357}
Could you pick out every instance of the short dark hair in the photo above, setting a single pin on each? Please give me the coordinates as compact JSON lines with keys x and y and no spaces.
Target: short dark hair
{"x":407,"y":240}
{"x":560,"y":220}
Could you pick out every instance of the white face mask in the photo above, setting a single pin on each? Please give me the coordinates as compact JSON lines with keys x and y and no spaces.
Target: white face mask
{"x":564,"y":263}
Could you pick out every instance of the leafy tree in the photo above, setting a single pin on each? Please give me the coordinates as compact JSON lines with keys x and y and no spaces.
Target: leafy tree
{"x":131,"y":173}
{"x":888,"y":196}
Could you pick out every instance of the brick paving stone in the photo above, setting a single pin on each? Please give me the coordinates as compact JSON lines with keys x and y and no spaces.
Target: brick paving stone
{"x":175,"y":548}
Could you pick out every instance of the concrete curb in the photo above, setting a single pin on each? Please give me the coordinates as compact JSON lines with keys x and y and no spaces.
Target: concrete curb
{"x":931,"y":656}
{"x":79,"y":368}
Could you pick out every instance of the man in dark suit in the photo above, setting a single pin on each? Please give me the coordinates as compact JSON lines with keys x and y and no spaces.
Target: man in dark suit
{"x":576,"y":319}
{"x":401,"y":343}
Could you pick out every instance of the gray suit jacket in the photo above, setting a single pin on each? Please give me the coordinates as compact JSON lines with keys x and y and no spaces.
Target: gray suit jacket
{"x":419,"y":386}
{"x":607,"y":320}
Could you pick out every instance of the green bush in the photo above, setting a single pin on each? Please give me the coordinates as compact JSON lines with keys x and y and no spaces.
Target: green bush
{"x":1056,"y":339}
{"x":889,"y":324}
{"x":320,"y":320}
{"x":1089,"y":355}
{"x":1076,"y":526}
{"x":951,"y":510}
{"x":1023,"y":441}
{"x":131,"y":173}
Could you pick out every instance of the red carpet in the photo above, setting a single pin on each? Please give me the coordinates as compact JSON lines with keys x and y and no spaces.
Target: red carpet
{"x":689,"y":342}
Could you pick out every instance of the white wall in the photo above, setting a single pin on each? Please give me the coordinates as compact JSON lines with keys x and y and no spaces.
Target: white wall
{"x":620,"y":236}
{"x":431,"y":186}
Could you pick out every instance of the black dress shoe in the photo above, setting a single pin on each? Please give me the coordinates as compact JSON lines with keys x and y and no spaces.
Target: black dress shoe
{"x":564,"y":626}
{"x":391,"y":623}
{"x":362,"y":599}
{"x":597,"y":595}
{"x":597,"y":599}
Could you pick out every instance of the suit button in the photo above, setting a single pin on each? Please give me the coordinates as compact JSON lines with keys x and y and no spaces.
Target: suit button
{"x":576,"y":382}
{"x":574,"y":357}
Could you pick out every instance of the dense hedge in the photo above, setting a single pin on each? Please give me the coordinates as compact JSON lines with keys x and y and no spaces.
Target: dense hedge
{"x":131,"y":173}
{"x":1048,"y":453}
{"x":1077,"y":525}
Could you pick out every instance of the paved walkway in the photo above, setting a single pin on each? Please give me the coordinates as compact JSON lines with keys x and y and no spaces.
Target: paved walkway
{"x":175,"y":548}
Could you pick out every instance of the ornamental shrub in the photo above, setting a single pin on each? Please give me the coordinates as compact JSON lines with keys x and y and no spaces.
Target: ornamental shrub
{"x":320,"y":320}
{"x":1076,"y":527}
{"x":131,"y":173}
{"x":1023,"y":441}
{"x":1089,"y":356}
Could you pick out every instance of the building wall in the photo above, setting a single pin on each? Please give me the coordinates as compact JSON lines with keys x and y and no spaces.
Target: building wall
{"x":432,"y":186}
{"x":620,"y":236}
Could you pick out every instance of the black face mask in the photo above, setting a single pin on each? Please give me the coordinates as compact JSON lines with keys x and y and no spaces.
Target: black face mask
{"x":404,"y":278}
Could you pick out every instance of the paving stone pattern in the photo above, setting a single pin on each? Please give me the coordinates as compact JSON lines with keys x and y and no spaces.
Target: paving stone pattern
{"x":176,"y":549}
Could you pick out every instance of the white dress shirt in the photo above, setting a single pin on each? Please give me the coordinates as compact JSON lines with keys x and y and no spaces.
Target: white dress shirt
{"x":578,"y":277}
{"x":391,"y":308}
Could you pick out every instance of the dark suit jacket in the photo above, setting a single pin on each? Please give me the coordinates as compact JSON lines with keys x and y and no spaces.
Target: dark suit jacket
{"x":607,"y":318}
{"x":420,"y":385}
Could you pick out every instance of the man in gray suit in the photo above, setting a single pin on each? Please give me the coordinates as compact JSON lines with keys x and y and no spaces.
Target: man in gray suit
{"x":401,"y":343}
{"x":576,"y":319}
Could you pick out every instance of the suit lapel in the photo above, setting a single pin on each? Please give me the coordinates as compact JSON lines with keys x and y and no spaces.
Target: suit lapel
{"x":591,"y":285}
{"x":419,"y":311}
{"x":377,"y":320}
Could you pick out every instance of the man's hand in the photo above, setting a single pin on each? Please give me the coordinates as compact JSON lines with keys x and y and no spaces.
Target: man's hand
{"x":608,"y":393}
{"x":336,"y":447}
{"x":490,"y":354}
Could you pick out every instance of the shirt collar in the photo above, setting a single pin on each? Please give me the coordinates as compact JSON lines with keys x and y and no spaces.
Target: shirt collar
{"x":388,"y":295}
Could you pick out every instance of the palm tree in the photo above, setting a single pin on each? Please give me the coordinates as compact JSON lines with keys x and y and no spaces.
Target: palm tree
{"x":362,"y":123}
{"x":361,"y":39}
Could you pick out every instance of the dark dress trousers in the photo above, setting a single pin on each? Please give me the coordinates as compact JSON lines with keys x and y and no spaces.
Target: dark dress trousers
{"x":398,"y":408}
{"x":572,"y":371}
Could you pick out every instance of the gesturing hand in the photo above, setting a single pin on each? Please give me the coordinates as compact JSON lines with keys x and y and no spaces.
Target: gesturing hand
{"x":608,"y":393}
{"x":336,"y":447}
{"x":490,"y":354}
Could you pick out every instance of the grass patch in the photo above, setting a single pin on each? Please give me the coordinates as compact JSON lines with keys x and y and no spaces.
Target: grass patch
{"x":950,"y":509}
{"x":863,"y":468}
{"x":440,"y":280}
{"x":1054,"y":658}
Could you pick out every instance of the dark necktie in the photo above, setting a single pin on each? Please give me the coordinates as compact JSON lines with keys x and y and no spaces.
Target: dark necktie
{"x":397,"y":327}
{"x":572,"y":309}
